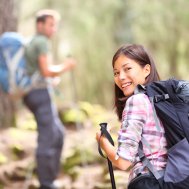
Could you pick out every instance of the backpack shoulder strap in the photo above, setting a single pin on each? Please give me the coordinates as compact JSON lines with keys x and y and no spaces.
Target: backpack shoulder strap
{"x":148,"y":164}
{"x":140,"y":89}
{"x":171,"y":86}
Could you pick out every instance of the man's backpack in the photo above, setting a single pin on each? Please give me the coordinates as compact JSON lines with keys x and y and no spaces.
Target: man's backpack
{"x":14,"y":79}
{"x":170,"y":100}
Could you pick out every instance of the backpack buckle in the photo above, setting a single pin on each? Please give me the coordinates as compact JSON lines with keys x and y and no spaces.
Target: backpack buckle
{"x":163,"y":97}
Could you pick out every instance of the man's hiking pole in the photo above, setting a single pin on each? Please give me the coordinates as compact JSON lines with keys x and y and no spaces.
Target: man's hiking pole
{"x":105,"y":133}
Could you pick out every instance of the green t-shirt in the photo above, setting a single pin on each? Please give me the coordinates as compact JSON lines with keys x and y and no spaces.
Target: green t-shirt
{"x":39,"y":45}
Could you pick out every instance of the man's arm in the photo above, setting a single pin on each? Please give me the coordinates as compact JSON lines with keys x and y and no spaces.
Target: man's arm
{"x":54,"y":70}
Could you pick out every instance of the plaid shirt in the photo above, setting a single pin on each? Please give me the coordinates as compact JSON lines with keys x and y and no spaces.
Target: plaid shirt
{"x":138,"y":123}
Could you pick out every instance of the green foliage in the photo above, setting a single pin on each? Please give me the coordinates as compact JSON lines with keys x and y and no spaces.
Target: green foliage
{"x":85,"y":111}
{"x":87,"y":108}
{"x":3,"y":159}
{"x":163,"y":28}
{"x":27,"y":124}
{"x":17,"y":151}
{"x":73,"y":116}
{"x":78,"y":157}
{"x":93,"y":30}
{"x":103,"y":185}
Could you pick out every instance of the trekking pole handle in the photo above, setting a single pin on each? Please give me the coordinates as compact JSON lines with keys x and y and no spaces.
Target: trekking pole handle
{"x":105,"y":133}
{"x":103,"y":125}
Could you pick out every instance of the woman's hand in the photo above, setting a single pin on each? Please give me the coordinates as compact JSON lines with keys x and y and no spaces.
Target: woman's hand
{"x":100,"y":139}
{"x":110,"y":152}
{"x":103,"y":140}
{"x":98,"y":136}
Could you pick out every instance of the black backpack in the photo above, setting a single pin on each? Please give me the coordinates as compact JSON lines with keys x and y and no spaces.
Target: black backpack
{"x":170,"y":100}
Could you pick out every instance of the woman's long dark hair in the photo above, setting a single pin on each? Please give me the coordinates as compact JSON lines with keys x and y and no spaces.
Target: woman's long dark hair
{"x":139,"y":54}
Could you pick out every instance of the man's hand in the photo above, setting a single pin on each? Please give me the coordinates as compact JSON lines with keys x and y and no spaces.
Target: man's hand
{"x":53,"y":70}
{"x":55,"y":81}
{"x":69,"y":63}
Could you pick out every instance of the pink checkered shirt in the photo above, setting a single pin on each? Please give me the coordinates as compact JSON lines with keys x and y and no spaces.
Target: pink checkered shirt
{"x":138,"y":123}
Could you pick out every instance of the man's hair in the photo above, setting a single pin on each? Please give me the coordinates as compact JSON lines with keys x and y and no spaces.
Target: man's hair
{"x":43,"y":14}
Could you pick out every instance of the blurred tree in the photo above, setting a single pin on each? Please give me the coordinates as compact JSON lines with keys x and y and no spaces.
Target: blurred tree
{"x":8,"y":18}
{"x":93,"y":30}
{"x":8,"y":22}
{"x":87,"y":32}
{"x":162,"y":28}
{"x":90,"y":28}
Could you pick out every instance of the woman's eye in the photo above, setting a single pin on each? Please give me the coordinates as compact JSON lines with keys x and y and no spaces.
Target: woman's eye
{"x":127,"y":69}
{"x":116,"y":73}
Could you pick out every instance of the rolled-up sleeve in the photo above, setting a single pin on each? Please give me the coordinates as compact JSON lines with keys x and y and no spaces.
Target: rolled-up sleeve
{"x":133,"y":119}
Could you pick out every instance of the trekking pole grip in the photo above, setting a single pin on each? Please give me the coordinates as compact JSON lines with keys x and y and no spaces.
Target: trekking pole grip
{"x":105,"y":133}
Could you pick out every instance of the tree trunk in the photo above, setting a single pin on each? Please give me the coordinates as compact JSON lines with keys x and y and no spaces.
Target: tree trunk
{"x":8,"y":22}
{"x":8,"y":18}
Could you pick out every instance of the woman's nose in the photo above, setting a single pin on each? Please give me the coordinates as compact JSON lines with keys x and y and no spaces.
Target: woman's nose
{"x":122,"y":75}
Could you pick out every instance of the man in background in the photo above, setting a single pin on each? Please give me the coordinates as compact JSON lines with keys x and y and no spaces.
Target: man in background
{"x":39,"y":101}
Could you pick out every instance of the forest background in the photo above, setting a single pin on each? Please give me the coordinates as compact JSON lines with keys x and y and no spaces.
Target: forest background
{"x":91,"y":31}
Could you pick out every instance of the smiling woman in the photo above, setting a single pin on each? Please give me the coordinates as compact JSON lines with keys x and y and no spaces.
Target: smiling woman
{"x":133,"y":59}
{"x":132,"y":65}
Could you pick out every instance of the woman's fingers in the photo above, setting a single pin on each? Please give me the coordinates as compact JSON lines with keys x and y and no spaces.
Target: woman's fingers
{"x":98,"y":136}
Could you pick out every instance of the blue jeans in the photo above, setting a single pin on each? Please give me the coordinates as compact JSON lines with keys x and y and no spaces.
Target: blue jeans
{"x":50,"y":135}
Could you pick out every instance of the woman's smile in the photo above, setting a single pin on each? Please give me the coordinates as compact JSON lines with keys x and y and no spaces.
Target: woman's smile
{"x":125,"y":85}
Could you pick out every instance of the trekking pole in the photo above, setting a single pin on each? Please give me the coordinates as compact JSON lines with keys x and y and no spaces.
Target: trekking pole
{"x":105,"y":133}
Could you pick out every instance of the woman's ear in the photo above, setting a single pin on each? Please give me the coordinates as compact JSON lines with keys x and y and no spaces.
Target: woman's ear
{"x":147,"y":70}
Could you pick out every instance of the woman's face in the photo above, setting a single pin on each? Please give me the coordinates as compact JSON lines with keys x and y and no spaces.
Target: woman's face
{"x":128,"y":74}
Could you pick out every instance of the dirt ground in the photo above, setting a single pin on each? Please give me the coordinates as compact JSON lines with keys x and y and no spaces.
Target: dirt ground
{"x":90,"y":176}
